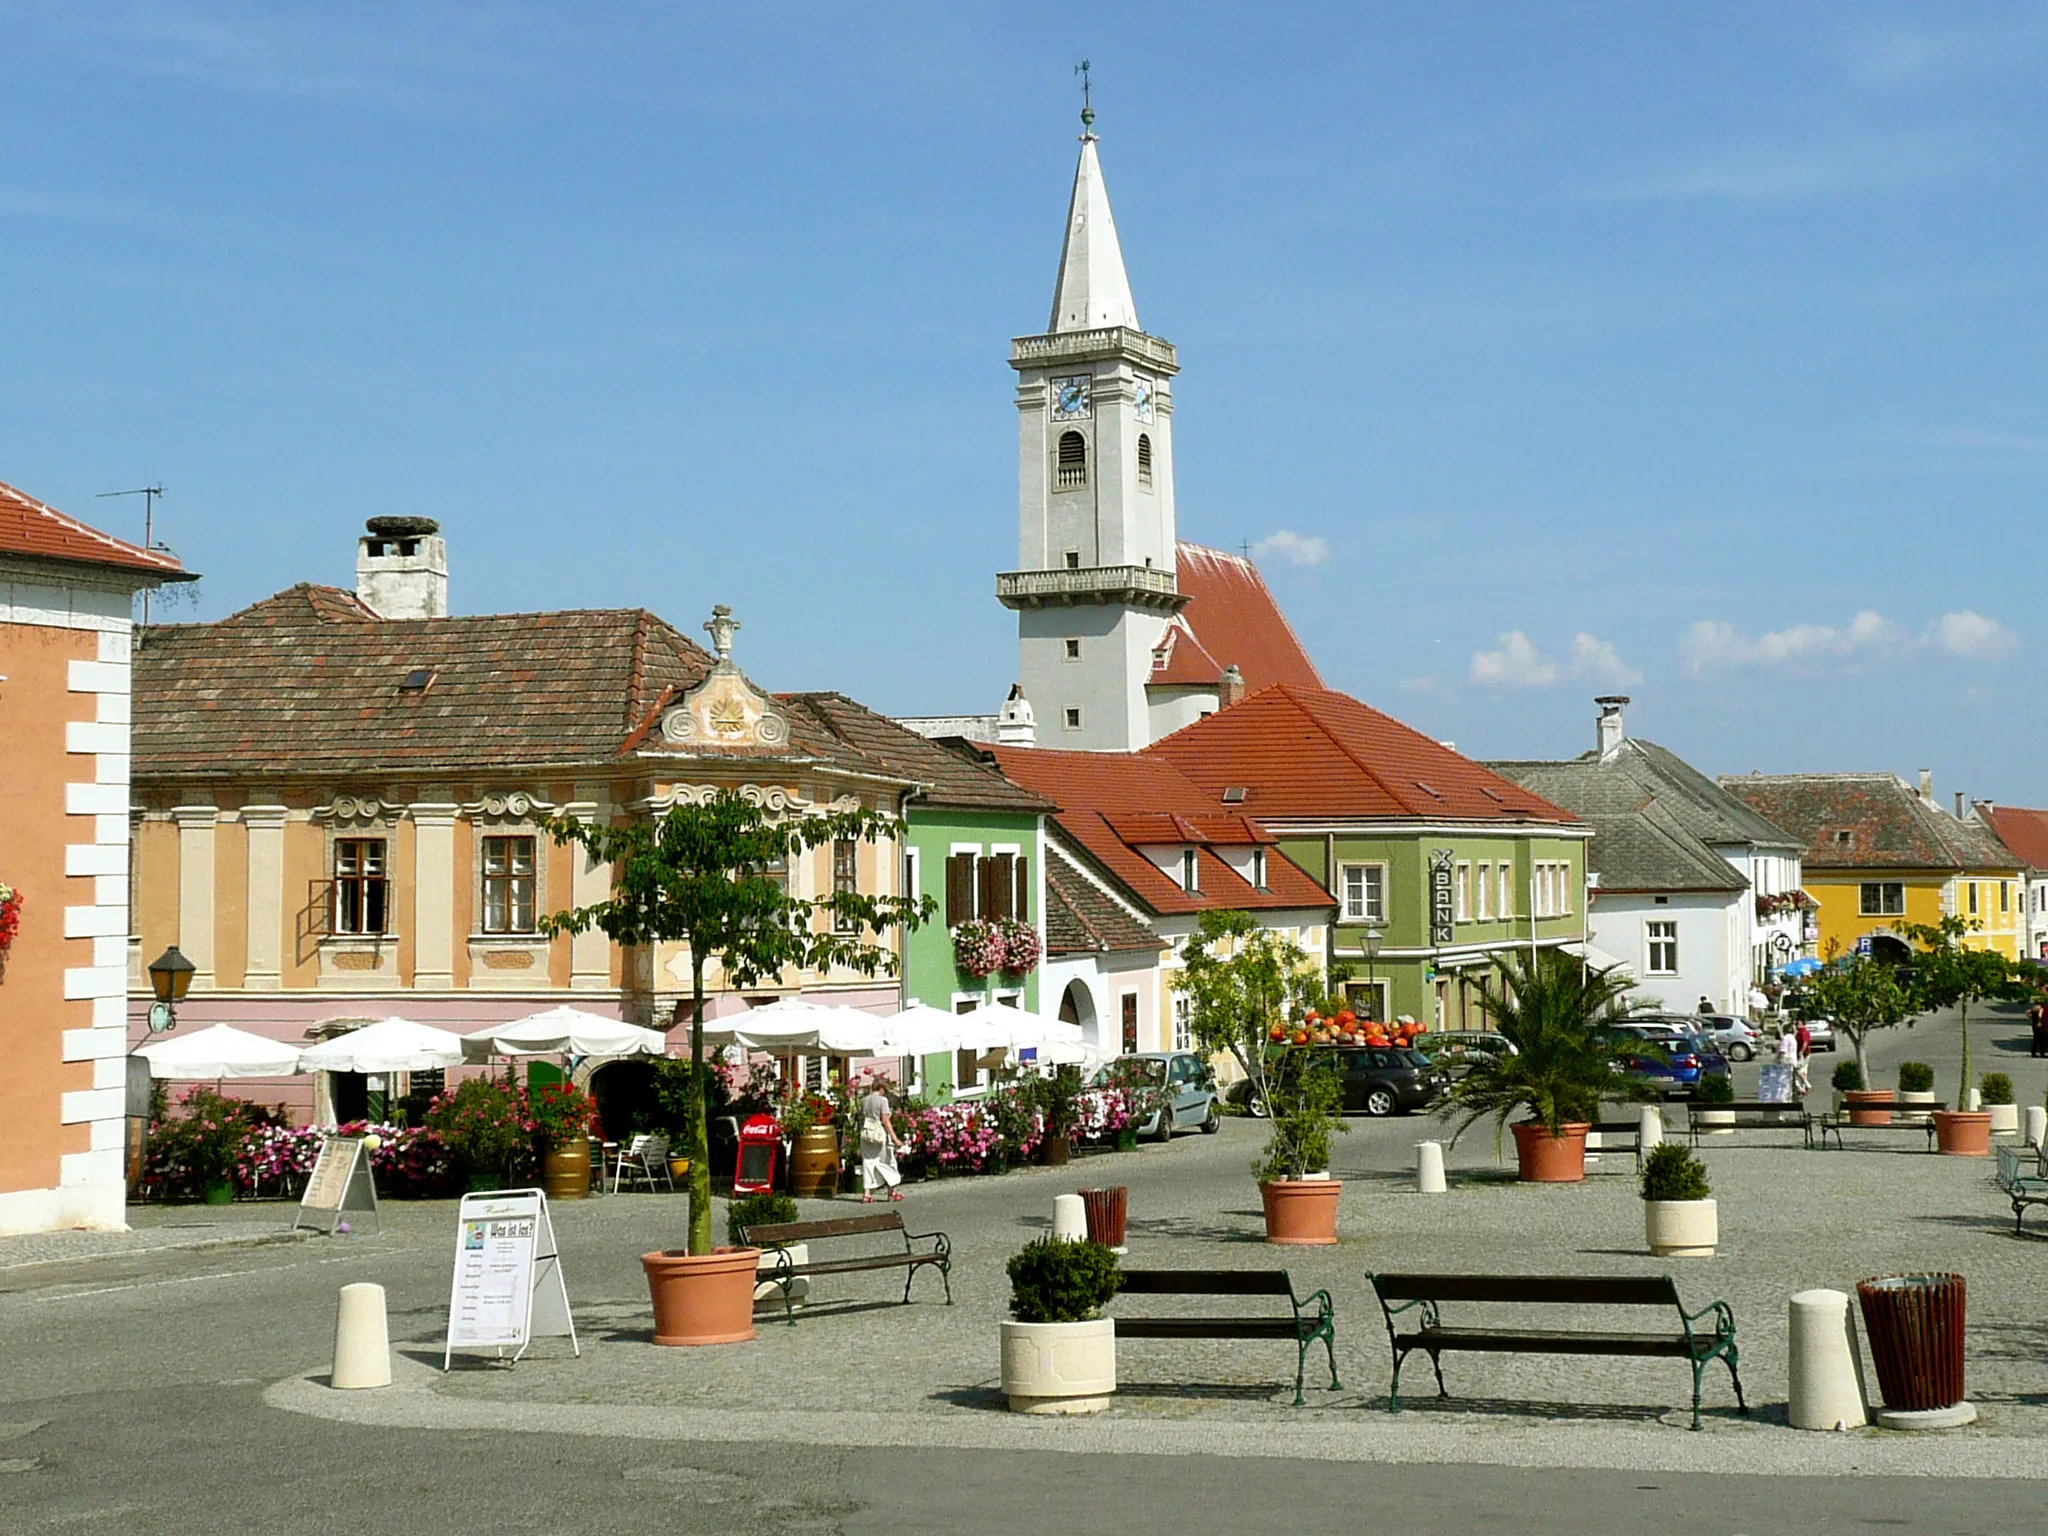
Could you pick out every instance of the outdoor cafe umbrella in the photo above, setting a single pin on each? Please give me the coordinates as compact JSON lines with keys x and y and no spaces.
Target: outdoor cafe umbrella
{"x":564,"y":1030}
{"x":389,"y":1045}
{"x":220,"y":1052}
{"x":921,"y":1030}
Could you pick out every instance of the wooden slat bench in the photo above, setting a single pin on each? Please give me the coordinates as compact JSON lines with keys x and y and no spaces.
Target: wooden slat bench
{"x":2024,"y":1178}
{"x":1310,"y":1318}
{"x":1904,"y":1117}
{"x":1426,"y":1294}
{"x":779,"y":1237}
{"x":1752,"y":1115}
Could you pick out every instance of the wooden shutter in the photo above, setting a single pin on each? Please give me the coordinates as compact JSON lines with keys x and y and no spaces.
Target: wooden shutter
{"x":1021,"y":910}
{"x":959,"y":889}
{"x":995,"y":886}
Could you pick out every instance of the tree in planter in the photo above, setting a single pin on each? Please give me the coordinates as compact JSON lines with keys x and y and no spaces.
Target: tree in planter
{"x":1555,"y":1010}
{"x":1671,"y":1172}
{"x":1862,"y":996}
{"x":1053,"y":1280}
{"x":1950,"y":974}
{"x":699,"y":876}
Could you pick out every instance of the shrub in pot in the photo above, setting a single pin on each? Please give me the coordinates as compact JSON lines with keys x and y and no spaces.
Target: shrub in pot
{"x":1847,"y":1077}
{"x":1680,"y":1220}
{"x":1058,"y":1099}
{"x":485,"y":1124}
{"x":1059,"y":1354}
{"x":1305,"y":1103}
{"x":1715,"y":1088}
{"x":1916,"y":1086}
{"x":1995,"y":1090}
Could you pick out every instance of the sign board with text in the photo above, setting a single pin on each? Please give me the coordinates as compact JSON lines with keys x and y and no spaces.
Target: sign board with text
{"x":1442,"y":913}
{"x":339,"y":1185}
{"x":508,"y":1287}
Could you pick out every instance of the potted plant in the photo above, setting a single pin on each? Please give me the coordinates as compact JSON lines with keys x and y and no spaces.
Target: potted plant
{"x":1996,"y":1091}
{"x":484,"y":1124}
{"x":1715,"y":1088}
{"x":1243,"y":983}
{"x":767,"y":1210}
{"x":699,"y":876}
{"x":1679,"y":1218}
{"x":1916,"y":1086}
{"x":1949,"y":972}
{"x":561,"y":1115}
{"x":1851,"y":1094}
{"x":1059,"y":1354}
{"x":1552,"y":1008}
{"x":1847,"y":1078}
{"x":1862,"y":996}
{"x":1058,"y":1095}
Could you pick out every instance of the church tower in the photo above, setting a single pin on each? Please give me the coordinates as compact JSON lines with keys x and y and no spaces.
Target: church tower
{"x":1095,"y":587}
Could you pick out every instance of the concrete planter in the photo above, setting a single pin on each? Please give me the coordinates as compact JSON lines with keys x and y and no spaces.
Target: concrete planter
{"x":1059,"y":1367}
{"x":767,"y":1294}
{"x":1962,"y":1132}
{"x":1918,"y":1117}
{"x":1716,"y":1122}
{"x":1681,"y":1229}
{"x":2005,"y":1119}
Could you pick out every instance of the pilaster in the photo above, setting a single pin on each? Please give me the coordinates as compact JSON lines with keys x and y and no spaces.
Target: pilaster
{"x":590,"y":961}
{"x":195,"y":890}
{"x":433,"y":894}
{"x":265,"y":824}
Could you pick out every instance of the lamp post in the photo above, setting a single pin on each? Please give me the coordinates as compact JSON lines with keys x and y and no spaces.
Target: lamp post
{"x":170,"y":977}
{"x":1372,"y":980}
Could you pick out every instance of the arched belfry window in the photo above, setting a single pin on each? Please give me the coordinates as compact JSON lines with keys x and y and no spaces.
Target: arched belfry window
{"x":1072,"y":468}
{"x":1145,"y":459}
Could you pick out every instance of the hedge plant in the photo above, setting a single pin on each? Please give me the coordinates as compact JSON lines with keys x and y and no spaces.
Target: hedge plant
{"x":1056,"y":1281}
{"x":1915,"y":1077}
{"x":1671,"y":1172}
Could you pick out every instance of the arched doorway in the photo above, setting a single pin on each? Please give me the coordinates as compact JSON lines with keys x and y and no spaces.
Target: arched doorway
{"x":624,"y":1090}
{"x":1890,"y":948}
{"x":1077,"y":1006}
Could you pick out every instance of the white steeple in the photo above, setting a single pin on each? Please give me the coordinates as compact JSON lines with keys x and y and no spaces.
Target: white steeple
{"x":1093,"y":290}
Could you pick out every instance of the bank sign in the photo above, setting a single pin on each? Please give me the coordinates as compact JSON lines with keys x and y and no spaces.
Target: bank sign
{"x":1441,"y":912}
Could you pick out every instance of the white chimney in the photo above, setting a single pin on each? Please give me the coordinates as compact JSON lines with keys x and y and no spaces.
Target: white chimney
{"x":402,"y":568}
{"x":1927,"y":785}
{"x":1611,"y":732}
{"x":1016,"y":725}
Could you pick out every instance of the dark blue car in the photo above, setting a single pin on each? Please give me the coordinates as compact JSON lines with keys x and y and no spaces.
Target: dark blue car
{"x":1661,"y":1058}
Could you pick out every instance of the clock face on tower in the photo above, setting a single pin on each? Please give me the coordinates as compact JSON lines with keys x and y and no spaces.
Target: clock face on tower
{"x":1141,"y":394}
{"x":1070,"y":400}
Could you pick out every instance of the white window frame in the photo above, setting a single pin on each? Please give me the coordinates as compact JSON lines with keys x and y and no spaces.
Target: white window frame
{"x":1482,"y":889}
{"x":1659,"y":932}
{"x":1507,"y":892}
{"x":1183,"y":1022}
{"x":1461,"y":886}
{"x":1372,"y":892}
{"x":1259,"y":871}
{"x":1190,"y":871}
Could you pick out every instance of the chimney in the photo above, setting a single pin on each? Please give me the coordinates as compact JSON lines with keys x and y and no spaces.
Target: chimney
{"x":1016,"y":726}
{"x":1229,"y":687}
{"x":402,"y":568}
{"x":1927,"y":784}
{"x":1611,"y":732}
{"x":1960,"y":807}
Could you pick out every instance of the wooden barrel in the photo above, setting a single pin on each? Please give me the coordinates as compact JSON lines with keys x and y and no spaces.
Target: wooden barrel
{"x":814,"y":1164}
{"x":565,"y":1171}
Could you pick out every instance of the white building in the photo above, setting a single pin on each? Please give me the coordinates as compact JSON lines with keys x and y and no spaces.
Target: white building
{"x":1694,"y":893}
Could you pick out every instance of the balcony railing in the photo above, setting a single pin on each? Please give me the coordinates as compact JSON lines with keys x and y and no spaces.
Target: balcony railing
{"x":1060,"y":346}
{"x":1144,"y":585}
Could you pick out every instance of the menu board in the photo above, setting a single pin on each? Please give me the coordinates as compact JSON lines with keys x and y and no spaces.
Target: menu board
{"x":339,"y":1184}
{"x":508,"y":1283}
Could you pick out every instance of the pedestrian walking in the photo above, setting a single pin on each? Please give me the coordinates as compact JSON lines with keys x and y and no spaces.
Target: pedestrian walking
{"x":1706,"y":1006}
{"x":1802,"y":1071}
{"x":878,"y":1145}
{"x":2037,"y":1016}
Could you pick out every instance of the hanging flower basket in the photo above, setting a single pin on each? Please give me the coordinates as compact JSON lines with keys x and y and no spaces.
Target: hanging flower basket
{"x":1020,"y":947}
{"x":978,"y":947}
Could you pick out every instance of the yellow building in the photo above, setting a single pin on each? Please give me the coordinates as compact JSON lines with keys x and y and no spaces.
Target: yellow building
{"x":1882,"y":855}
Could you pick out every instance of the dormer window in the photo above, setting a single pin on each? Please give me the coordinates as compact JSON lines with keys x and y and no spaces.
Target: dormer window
{"x":1188,"y":871}
{"x":1071,"y":471}
{"x":1259,"y":868}
{"x":1145,"y":460}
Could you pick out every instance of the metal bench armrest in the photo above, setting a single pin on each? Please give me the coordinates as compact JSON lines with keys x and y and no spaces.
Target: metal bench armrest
{"x":942,"y":1246}
{"x":1722,"y":1313}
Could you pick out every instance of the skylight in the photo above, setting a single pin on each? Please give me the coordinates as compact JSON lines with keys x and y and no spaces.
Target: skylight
{"x":1233,"y":795}
{"x":419,"y":680}
{"x":1428,"y":790}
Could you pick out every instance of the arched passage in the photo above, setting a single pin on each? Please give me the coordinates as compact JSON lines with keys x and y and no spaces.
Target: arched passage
{"x":1077,"y":1006}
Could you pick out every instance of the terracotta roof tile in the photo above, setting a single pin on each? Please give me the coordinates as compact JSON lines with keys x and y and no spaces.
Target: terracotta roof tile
{"x":2024,"y":831}
{"x":1180,"y":659}
{"x":28,"y":527}
{"x":1080,"y":918}
{"x":951,"y":778}
{"x":1236,"y":621}
{"x":1308,"y":752}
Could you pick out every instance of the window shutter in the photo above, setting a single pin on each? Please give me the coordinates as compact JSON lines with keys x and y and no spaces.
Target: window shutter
{"x":995,"y":879}
{"x":959,"y":889}
{"x":1021,"y":910}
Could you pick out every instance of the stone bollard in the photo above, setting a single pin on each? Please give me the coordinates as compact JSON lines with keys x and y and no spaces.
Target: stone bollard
{"x":1649,"y":1129}
{"x":2037,"y":1125}
{"x":1429,"y":1168}
{"x":1976,"y":1102}
{"x":1070,"y":1218}
{"x":362,"y":1347}
{"x":1826,"y":1373}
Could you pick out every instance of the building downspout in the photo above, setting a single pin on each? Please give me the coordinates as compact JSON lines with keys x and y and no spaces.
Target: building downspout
{"x":1330,"y":885}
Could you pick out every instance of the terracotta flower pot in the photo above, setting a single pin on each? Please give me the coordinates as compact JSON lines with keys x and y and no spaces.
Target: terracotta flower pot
{"x":707,"y":1300}
{"x":565,"y":1171}
{"x":1547,"y":1159}
{"x":1868,"y":1096}
{"x":1301,"y":1211}
{"x":1963,"y":1132}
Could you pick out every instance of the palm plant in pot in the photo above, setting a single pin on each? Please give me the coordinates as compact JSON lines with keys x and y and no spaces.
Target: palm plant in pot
{"x":1554,"y":1009}
{"x":1679,"y":1218}
{"x":1059,"y":1353}
{"x":702,"y":875}
{"x":1243,"y":983}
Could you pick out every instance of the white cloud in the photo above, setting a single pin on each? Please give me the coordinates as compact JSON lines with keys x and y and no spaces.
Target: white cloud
{"x":1519,"y":664}
{"x":1970,"y":635}
{"x":1294,"y":548}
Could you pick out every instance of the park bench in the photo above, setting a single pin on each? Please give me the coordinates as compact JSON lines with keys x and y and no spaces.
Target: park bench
{"x":1425,"y":1295}
{"x":1904,"y":1117}
{"x":778,"y":1238}
{"x":1309,"y":1318}
{"x":1751,"y":1115}
{"x":1615,"y":1136}
{"x":2024,"y":1178}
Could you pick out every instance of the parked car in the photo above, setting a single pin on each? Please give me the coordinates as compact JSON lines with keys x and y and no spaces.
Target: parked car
{"x":1190,"y":1091}
{"x":1449,"y":1049}
{"x":1738,"y":1037}
{"x":1822,"y":1033}
{"x":1378,"y":1080}
{"x":1660,"y":1057}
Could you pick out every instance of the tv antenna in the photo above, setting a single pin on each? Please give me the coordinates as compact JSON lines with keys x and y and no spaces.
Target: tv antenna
{"x":149,"y":494}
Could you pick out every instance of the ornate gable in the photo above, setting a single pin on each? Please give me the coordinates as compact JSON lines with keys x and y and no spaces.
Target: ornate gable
{"x":724,"y":711}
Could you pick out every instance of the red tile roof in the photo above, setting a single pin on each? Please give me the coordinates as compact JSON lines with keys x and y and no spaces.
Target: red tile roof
{"x":2025,"y":832}
{"x":28,"y":527}
{"x":1307,"y":752}
{"x":1181,"y":659}
{"x":1100,"y":792}
{"x":1081,"y":918}
{"x":1237,"y":623}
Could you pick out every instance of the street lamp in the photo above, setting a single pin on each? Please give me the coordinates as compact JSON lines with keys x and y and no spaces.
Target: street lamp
{"x":1372,"y":955}
{"x":170,"y":977}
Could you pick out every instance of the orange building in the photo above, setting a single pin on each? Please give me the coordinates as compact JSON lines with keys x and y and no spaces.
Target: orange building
{"x":66,"y":592}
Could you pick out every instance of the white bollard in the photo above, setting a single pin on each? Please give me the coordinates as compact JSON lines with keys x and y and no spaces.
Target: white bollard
{"x":2037,"y":1125}
{"x":1976,"y":1103}
{"x":362,"y":1347}
{"x":1070,"y":1218}
{"x":1826,"y":1373}
{"x":1429,"y":1168}
{"x":1649,"y":1129}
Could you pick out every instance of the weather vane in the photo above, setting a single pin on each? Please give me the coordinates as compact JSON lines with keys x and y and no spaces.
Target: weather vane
{"x":1087,"y":110}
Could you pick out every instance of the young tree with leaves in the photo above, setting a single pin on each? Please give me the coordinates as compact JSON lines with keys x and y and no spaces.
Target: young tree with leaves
{"x":699,"y":876}
{"x":1861,"y":996}
{"x":1949,"y":973}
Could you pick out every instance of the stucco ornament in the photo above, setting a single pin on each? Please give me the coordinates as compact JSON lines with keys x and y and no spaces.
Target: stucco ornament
{"x":724,"y":710}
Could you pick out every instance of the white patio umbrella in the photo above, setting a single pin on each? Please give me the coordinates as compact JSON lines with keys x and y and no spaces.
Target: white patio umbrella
{"x":220,"y":1052}
{"x":389,"y":1045}
{"x":564,"y":1029}
{"x":989,"y":1027}
{"x":921,"y":1030}
{"x":790,"y":1025}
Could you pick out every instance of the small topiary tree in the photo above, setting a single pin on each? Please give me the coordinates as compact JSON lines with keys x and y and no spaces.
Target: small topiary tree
{"x":1671,"y":1172}
{"x":1848,"y":1077}
{"x":756,"y":1211}
{"x":1056,"y":1281}
{"x":1996,"y":1088}
{"x":1915,"y":1077}
{"x":1715,"y":1088}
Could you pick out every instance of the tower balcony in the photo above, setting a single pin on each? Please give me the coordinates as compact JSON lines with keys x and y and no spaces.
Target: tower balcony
{"x":1087,"y":346}
{"x":1139,"y":586}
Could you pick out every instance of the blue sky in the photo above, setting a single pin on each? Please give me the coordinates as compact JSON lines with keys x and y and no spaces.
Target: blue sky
{"x":1692,"y":351}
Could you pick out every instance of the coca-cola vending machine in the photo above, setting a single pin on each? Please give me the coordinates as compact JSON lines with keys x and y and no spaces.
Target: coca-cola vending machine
{"x":760,"y":1145}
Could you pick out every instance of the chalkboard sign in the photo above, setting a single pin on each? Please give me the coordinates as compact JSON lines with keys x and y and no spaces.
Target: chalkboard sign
{"x":339,"y":1186}
{"x":508,"y":1286}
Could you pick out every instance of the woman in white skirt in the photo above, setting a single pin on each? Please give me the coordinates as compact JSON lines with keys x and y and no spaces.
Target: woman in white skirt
{"x":878,"y":1148}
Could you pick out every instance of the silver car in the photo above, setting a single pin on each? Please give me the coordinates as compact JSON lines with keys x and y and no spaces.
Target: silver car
{"x":1738,"y":1038}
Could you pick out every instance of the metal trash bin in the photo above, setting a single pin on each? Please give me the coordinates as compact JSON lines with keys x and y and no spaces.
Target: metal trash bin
{"x":1915,"y":1327}
{"x":1106,"y":1211}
